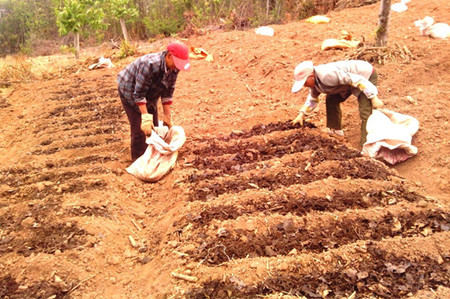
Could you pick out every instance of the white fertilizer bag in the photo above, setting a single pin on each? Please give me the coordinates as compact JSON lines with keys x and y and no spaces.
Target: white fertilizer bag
{"x":160,"y":156}
{"x":435,"y":30}
{"x":389,"y":136}
{"x":265,"y":30}
{"x":400,"y":7}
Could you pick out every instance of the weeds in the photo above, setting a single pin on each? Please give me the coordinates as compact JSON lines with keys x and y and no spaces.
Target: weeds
{"x":16,"y":69}
{"x":126,"y":49}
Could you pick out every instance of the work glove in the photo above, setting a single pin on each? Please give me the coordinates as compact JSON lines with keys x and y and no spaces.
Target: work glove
{"x":147,"y":123}
{"x":299,"y":119}
{"x":376,"y":102}
{"x":167,"y":121}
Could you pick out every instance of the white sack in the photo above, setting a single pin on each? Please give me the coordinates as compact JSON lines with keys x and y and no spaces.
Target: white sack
{"x":102,"y":63}
{"x":435,"y":30}
{"x":389,"y":136}
{"x":399,"y":7}
{"x":160,"y":156}
{"x":264,"y":30}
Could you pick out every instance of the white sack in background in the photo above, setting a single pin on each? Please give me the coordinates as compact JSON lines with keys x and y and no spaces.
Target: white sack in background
{"x":389,"y":136}
{"x":435,"y":30}
{"x":264,"y":30}
{"x":400,"y":7}
{"x":160,"y":156}
{"x":102,"y":63}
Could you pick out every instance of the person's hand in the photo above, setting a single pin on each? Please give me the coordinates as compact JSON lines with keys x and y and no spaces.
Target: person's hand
{"x":167,"y":120}
{"x":376,"y":102}
{"x":299,"y":119}
{"x":147,"y":123}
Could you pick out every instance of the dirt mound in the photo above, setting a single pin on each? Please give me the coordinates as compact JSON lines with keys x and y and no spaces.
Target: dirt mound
{"x":255,"y":207}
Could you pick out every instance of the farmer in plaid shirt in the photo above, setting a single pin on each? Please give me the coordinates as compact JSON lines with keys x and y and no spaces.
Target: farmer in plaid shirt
{"x":142,"y":83}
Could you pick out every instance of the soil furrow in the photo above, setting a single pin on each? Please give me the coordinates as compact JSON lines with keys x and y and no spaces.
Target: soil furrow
{"x":319,"y":233}
{"x":9,"y":288}
{"x":257,"y":130}
{"x":274,"y":178}
{"x":299,"y":140}
{"x":388,"y":269}
{"x":299,"y":204}
{"x":44,"y":189}
{"x":77,"y":145}
{"x":248,"y":159}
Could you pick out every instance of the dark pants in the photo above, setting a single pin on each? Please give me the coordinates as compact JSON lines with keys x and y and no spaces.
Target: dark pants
{"x":334,"y":113}
{"x":138,"y":145}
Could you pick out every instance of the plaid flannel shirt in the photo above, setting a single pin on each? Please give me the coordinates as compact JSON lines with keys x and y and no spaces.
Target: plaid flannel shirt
{"x":137,"y":79}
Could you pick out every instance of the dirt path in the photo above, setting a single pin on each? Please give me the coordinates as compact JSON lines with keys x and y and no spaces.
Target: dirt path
{"x":255,"y":206}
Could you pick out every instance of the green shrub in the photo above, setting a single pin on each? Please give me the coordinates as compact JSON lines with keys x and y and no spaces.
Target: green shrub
{"x":126,"y":49}
{"x":165,"y":17}
{"x":307,"y":10}
{"x":164,"y":26}
{"x":64,"y":49}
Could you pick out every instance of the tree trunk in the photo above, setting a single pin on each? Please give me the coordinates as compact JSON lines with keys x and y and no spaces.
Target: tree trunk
{"x":124,"y":30}
{"x":77,"y":45}
{"x":383,"y":22}
{"x":267,"y":8}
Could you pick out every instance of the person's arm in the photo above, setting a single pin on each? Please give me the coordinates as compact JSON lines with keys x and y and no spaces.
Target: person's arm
{"x":143,"y":81}
{"x":364,"y":85}
{"x":144,"y":77}
{"x":166,"y":99}
{"x":309,"y":105}
{"x":143,"y":108}
{"x":367,"y":88}
{"x":167,"y":118}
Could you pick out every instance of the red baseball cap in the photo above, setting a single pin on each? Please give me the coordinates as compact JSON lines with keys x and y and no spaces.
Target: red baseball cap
{"x":180,"y":55}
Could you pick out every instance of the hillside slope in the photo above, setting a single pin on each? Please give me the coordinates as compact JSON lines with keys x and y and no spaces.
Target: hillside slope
{"x":255,"y":206}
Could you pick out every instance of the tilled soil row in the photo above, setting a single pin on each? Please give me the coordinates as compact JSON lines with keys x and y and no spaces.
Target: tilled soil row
{"x":39,"y":229}
{"x":10,"y":287}
{"x":246,"y":155}
{"x":77,"y":145}
{"x":299,"y":204}
{"x":55,"y":178}
{"x":277,"y":177}
{"x":79,"y":104}
{"x":76,"y":87}
{"x":104,"y":116}
{"x":32,"y":218}
{"x":281,"y":192}
{"x":391,"y":268}
{"x":206,"y":145}
{"x":51,"y":171}
{"x":275,"y":144}
{"x":44,"y":189}
{"x":315,"y":233}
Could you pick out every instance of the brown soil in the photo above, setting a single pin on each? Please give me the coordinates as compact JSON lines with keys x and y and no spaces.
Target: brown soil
{"x":255,"y":207}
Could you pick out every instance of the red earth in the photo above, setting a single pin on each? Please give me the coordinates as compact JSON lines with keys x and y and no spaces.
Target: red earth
{"x":255,"y":207}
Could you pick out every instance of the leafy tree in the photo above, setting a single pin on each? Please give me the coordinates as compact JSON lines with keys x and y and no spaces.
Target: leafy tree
{"x":123,"y":10}
{"x":79,"y":15}
{"x":164,"y":17}
{"x":14,"y":27}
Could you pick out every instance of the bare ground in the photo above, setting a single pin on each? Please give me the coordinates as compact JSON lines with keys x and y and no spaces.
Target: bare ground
{"x":255,"y":207}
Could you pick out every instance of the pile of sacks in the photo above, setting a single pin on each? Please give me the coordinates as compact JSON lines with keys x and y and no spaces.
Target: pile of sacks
{"x":436,"y":30}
